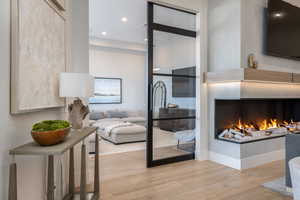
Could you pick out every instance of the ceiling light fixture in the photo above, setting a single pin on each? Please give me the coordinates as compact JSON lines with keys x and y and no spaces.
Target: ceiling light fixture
{"x":124,"y":19}
{"x":278,"y":14}
{"x":146,"y":39}
{"x":104,"y":33}
{"x":156,"y":69}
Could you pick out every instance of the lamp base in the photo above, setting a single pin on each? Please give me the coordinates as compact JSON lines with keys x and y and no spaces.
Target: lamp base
{"x":77,"y":113}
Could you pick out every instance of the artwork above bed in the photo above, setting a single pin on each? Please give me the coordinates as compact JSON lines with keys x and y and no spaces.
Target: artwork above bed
{"x":38,"y":55}
{"x":107,"y":91}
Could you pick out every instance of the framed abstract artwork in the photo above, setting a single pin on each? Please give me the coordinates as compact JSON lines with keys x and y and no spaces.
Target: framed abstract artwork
{"x":107,"y":91}
{"x":38,"y":55}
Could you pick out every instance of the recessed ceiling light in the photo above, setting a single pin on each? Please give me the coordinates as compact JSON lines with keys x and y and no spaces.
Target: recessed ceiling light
{"x":124,"y":19}
{"x":146,"y":39}
{"x":156,"y":69}
{"x":104,"y":33}
{"x":278,"y":14}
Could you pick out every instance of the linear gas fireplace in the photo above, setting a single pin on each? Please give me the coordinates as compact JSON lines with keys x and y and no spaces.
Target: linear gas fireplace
{"x":249,"y":120}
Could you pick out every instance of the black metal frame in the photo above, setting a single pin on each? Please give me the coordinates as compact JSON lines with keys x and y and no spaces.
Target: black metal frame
{"x":164,"y":28}
{"x":121,"y":91}
{"x":174,"y":75}
{"x":181,"y":10}
{"x":140,"y":141}
{"x":174,"y":118}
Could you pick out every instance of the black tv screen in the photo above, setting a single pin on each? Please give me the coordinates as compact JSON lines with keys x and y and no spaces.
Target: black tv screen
{"x":184,"y":87}
{"x":283,"y":30}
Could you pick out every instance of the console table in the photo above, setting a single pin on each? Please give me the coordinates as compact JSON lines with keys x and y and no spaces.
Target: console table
{"x":75,"y":137}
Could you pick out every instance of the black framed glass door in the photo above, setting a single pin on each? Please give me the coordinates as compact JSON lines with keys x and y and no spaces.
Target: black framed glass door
{"x":171,"y":85}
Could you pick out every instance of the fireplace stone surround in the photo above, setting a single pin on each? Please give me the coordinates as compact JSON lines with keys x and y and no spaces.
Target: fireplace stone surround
{"x":248,"y":155}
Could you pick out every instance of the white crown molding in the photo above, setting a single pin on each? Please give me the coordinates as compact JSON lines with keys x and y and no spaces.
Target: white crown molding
{"x":116,"y":44}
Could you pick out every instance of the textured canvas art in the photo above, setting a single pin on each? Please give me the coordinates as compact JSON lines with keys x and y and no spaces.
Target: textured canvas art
{"x":38,"y":56}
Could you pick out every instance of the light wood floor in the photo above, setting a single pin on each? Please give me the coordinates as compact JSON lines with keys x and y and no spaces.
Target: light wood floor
{"x":124,"y":177}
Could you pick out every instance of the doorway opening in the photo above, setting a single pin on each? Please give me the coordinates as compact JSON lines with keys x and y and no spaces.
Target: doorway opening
{"x":143,"y":58}
{"x":171,"y":84}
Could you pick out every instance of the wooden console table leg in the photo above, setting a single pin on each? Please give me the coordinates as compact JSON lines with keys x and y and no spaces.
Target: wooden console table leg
{"x":71,"y":173}
{"x":51,"y":186}
{"x":83,"y":191}
{"x":12,"y":193}
{"x":96,"y":176}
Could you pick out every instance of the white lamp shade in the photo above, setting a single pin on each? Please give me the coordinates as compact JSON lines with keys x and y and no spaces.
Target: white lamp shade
{"x":76,"y":85}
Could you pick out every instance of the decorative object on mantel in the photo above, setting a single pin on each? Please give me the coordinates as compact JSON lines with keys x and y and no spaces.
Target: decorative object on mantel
{"x":38,"y":49}
{"x":50,"y":132}
{"x":76,"y":85}
{"x":252,"y":63}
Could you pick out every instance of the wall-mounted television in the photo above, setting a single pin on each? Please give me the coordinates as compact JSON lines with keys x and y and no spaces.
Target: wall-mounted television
{"x":283,"y":30}
{"x":184,"y":85}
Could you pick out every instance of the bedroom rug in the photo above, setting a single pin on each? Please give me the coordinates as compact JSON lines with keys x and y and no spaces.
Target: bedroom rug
{"x":278,"y":185}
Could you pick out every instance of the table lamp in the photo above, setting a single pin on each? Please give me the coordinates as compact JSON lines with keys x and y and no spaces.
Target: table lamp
{"x":76,"y":85}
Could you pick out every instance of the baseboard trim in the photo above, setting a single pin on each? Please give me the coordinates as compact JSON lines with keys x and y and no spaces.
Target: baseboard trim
{"x":249,"y":162}
{"x":225,"y":160}
{"x":262,"y":159}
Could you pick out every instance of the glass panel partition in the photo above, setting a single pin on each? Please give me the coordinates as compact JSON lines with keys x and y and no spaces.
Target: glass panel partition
{"x":172,"y":85}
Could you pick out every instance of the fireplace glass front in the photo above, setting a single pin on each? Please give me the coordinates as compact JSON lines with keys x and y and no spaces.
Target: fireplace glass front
{"x":249,"y":120}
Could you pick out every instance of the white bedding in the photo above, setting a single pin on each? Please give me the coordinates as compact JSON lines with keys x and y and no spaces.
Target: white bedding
{"x":119,"y":131}
{"x":107,"y":127}
{"x":108,"y":130}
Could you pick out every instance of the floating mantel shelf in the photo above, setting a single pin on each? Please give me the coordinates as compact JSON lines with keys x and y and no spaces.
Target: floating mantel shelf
{"x":254,"y":75}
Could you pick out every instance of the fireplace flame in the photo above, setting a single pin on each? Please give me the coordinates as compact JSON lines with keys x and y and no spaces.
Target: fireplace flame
{"x":262,"y":126}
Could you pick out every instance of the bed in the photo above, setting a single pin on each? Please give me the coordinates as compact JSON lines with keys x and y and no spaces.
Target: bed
{"x":120,"y":131}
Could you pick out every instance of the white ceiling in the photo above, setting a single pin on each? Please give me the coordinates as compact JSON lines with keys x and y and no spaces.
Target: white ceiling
{"x":106,"y":15}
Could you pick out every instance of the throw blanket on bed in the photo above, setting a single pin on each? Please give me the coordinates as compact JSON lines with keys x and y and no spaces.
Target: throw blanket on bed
{"x":108,"y":130}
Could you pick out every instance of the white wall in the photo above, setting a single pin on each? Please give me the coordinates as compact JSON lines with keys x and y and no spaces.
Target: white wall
{"x":79,"y":59}
{"x":80,"y":36}
{"x":237,"y":29}
{"x":126,"y":64}
{"x":15,"y":130}
{"x":253,"y":38}
{"x":224,"y":34}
